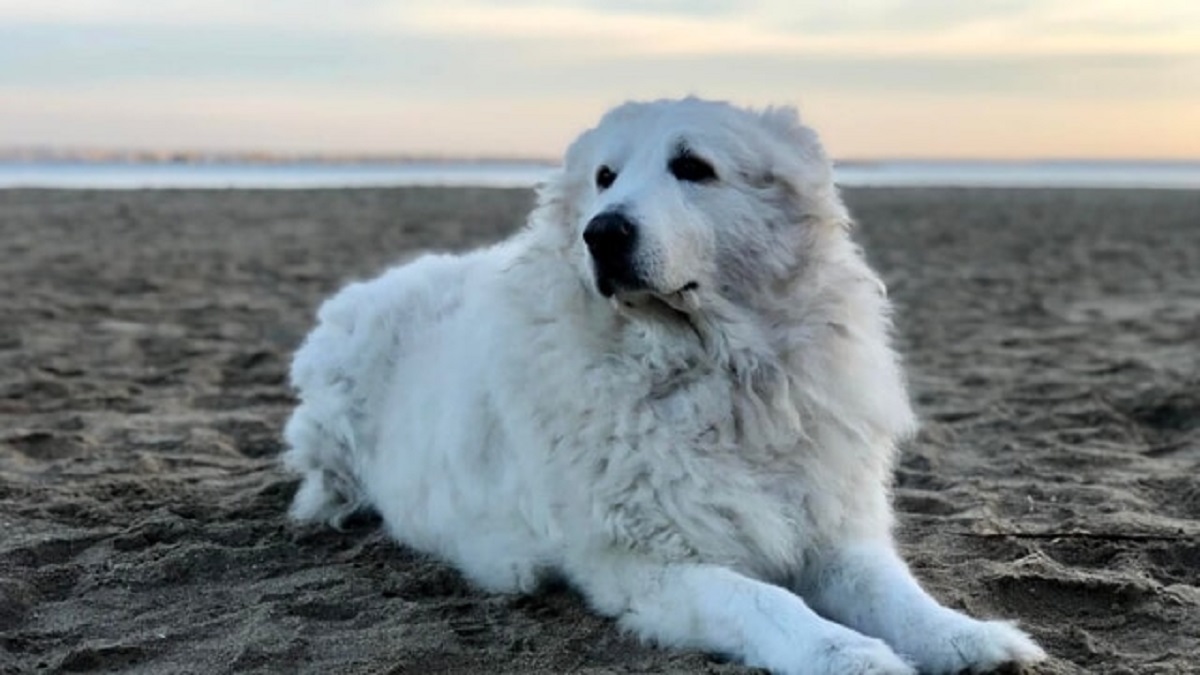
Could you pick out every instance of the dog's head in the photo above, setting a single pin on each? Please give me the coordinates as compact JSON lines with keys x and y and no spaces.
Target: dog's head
{"x":730,"y":218}
{"x":688,"y":201}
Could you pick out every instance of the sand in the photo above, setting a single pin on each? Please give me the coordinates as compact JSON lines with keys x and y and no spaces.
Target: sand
{"x":1053,"y":339}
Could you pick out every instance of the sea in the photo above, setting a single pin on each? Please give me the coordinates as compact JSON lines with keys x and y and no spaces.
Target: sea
{"x":1161,"y":175}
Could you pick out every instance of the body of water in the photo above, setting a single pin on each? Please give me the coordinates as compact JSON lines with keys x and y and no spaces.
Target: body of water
{"x":1049,"y":174}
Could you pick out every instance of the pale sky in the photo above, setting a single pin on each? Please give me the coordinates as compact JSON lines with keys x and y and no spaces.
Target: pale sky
{"x":877,"y":78}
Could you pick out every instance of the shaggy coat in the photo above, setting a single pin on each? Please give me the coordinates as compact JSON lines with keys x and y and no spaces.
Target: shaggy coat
{"x":704,"y":452}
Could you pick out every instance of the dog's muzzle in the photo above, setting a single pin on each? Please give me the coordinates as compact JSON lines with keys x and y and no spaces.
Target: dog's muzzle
{"x":612,"y":241}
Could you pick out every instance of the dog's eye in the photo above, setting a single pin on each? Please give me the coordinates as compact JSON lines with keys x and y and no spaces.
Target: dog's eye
{"x":691,"y":169}
{"x":605,"y":177}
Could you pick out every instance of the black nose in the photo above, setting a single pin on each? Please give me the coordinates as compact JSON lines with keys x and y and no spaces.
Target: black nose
{"x":610,"y":237}
{"x":612,"y":240}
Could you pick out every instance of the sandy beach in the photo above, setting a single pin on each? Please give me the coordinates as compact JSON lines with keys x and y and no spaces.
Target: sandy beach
{"x":1051,"y":338}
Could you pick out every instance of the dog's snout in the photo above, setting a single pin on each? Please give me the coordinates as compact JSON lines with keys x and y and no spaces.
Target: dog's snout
{"x":610,"y":235}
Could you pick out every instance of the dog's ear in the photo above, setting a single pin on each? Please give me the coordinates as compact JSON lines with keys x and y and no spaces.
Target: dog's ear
{"x":556,"y":196}
{"x":799,"y":163}
{"x":553,"y":201}
{"x":784,"y":122}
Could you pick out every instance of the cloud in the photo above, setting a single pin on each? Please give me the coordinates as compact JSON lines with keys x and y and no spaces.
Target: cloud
{"x":418,"y":64}
{"x":393,"y":73}
{"x":591,"y":28}
{"x":971,"y":30}
{"x":281,"y":14}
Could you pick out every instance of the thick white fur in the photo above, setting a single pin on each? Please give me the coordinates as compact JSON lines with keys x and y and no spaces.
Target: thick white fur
{"x":711,"y":466}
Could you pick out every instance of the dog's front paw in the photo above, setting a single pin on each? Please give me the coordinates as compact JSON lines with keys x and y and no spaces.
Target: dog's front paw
{"x":856,"y":655}
{"x":977,"y":647}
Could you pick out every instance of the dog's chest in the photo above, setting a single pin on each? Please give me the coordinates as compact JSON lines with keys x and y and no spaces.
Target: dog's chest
{"x":652,"y":454}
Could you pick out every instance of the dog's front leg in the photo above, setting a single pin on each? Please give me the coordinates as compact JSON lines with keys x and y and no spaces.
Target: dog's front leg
{"x":717,"y":610}
{"x":868,"y":587}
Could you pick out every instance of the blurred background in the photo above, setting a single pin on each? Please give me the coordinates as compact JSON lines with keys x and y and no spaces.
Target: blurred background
{"x":188,"y":80}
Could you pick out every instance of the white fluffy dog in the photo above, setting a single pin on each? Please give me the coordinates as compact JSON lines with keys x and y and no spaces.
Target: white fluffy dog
{"x":674,"y":389}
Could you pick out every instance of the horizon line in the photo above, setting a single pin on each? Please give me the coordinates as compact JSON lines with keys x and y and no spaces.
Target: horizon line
{"x":98,"y":155}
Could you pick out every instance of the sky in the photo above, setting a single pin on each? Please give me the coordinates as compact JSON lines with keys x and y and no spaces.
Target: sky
{"x":877,"y":78}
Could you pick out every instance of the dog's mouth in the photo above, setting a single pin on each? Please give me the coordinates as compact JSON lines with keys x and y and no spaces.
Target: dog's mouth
{"x":623,"y":279}
{"x":628,"y":288}
{"x":682,"y":300}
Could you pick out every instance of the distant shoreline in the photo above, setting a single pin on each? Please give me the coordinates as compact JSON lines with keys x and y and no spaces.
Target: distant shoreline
{"x":50,"y":155}
{"x":185,"y":157}
{"x":296,"y":173}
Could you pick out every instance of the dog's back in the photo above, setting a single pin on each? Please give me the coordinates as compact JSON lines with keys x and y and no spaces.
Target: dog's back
{"x":343,"y":369}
